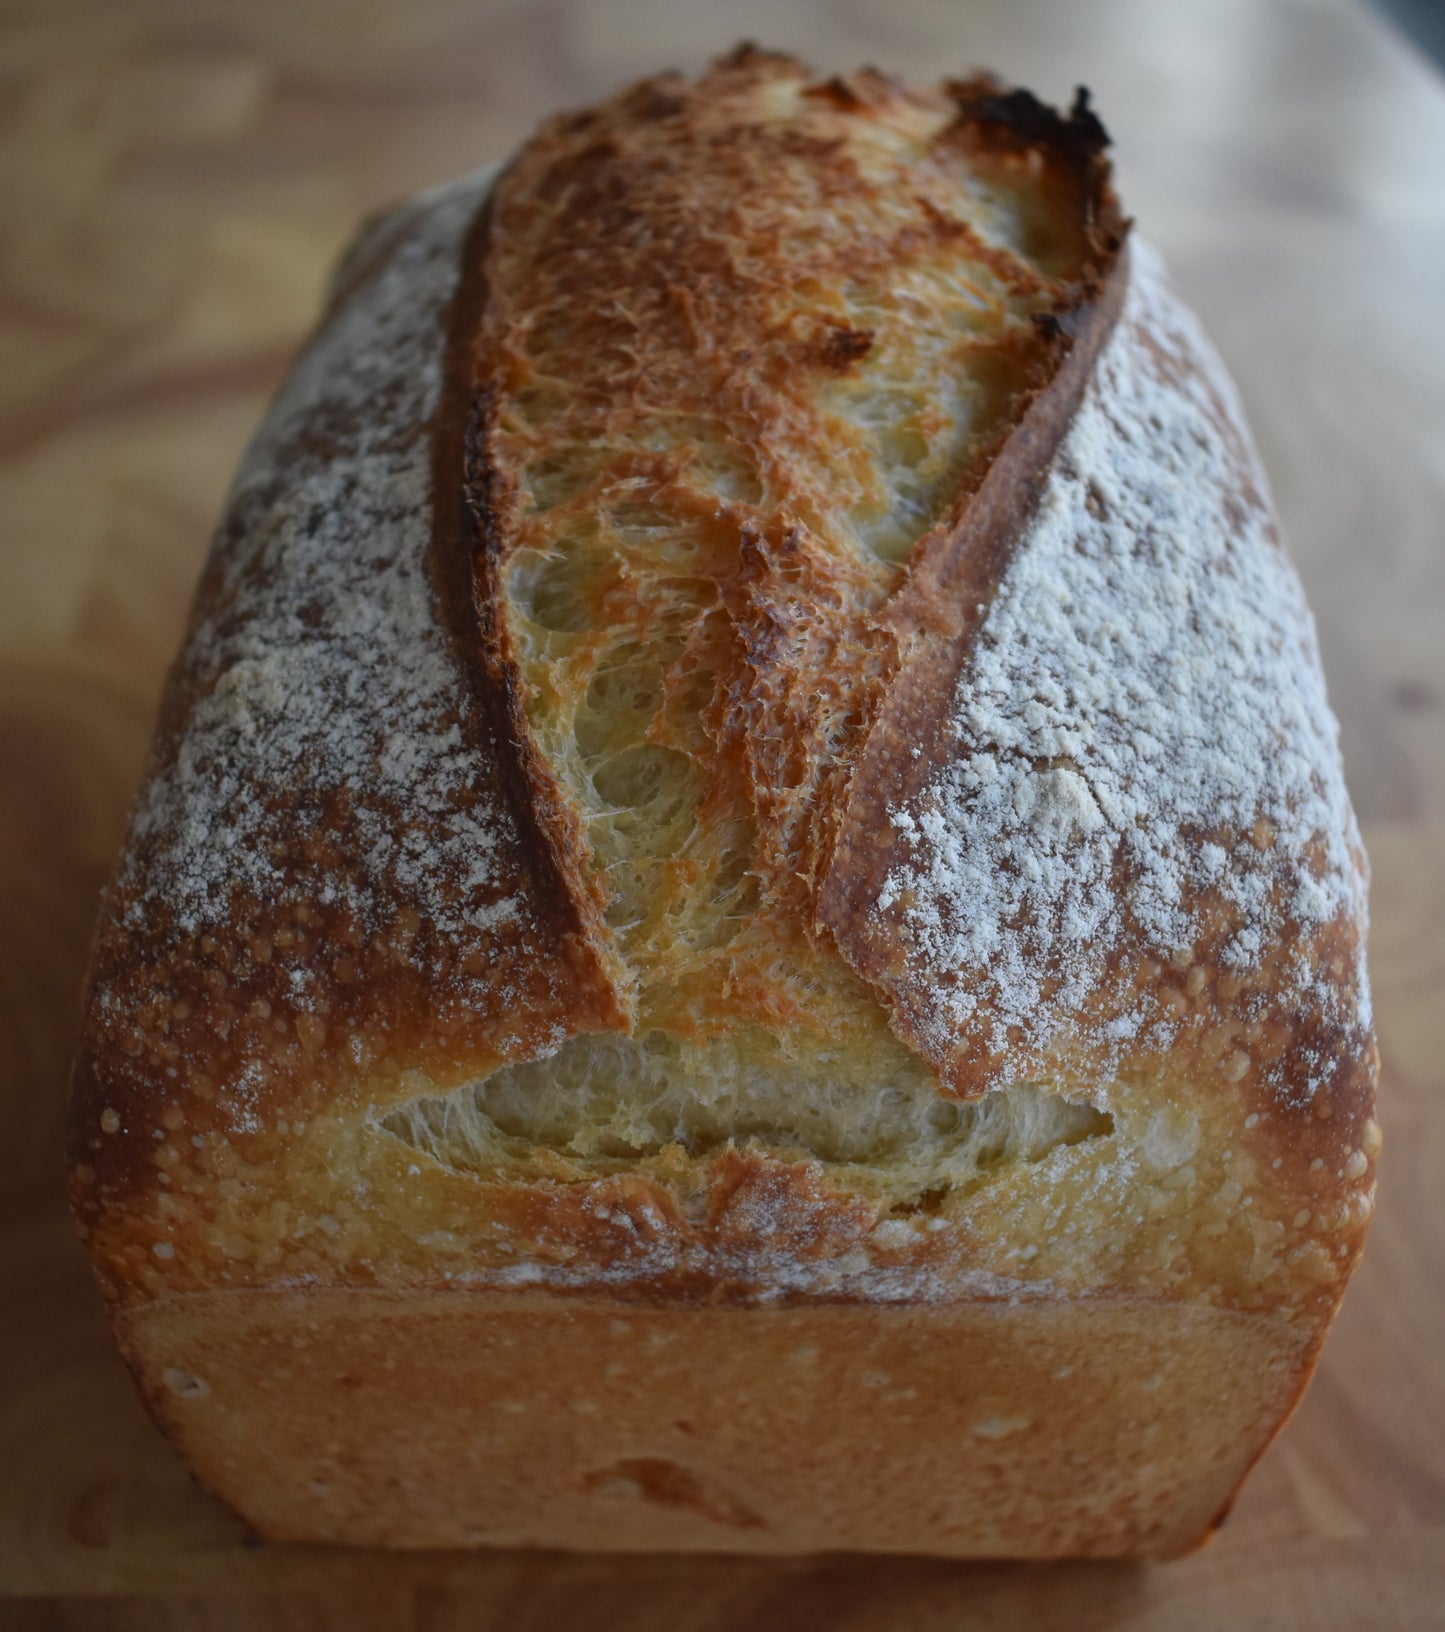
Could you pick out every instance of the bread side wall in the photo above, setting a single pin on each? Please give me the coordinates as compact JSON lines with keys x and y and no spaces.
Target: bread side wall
{"x":463,"y":1419}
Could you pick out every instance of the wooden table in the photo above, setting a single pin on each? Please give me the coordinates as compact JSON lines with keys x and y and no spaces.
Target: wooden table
{"x":176,"y":177}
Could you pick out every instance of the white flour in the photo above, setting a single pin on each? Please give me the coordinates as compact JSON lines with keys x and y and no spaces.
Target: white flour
{"x":325,"y":672}
{"x":1145,"y":681}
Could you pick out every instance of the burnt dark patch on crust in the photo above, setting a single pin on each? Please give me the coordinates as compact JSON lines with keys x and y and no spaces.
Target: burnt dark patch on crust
{"x":1017,"y":119}
{"x":996,"y":126}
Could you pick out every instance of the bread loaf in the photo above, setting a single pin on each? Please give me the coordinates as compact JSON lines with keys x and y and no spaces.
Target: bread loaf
{"x":743,"y":929}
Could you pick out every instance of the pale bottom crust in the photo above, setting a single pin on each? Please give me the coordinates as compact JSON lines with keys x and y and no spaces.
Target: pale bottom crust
{"x":473,"y":1418}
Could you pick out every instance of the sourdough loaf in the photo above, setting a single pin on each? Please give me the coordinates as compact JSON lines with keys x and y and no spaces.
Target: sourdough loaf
{"x":743,"y":929}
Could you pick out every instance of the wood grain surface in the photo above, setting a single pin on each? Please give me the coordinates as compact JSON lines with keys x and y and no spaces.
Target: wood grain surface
{"x":175,"y":177}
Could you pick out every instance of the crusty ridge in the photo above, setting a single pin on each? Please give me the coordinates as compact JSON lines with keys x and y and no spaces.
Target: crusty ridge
{"x":747,"y":348}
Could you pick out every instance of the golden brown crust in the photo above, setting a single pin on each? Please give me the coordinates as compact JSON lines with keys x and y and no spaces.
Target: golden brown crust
{"x":360,"y":875}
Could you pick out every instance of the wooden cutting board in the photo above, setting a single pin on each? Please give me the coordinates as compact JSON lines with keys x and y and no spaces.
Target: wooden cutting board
{"x":174,"y":180}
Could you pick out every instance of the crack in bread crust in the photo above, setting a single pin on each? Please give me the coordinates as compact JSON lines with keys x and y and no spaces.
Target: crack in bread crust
{"x":871,"y":1116}
{"x":748,"y":348}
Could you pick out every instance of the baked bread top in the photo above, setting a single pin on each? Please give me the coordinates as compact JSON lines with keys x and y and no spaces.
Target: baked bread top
{"x":747,"y":732}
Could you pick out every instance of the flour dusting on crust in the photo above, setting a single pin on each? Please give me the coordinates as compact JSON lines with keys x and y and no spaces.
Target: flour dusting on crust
{"x":1142,"y":754}
{"x":322,"y":666}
